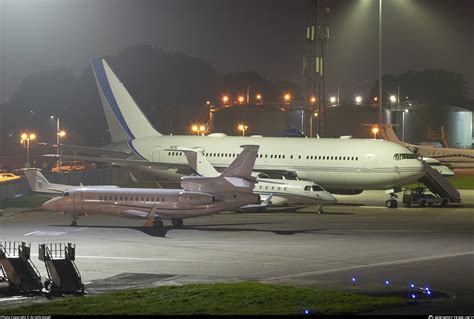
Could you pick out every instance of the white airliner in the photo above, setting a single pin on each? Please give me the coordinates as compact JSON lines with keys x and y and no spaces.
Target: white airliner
{"x":343,"y":166}
{"x":199,"y":196}
{"x":273,"y":192}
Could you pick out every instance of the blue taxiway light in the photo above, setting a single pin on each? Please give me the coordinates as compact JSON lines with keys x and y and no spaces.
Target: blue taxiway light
{"x":413,"y":296}
{"x":353,"y":280}
{"x":387,"y":282}
{"x":412,"y":285}
{"x":306,"y":312}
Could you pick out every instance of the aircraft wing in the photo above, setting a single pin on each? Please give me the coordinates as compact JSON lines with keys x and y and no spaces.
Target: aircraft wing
{"x":119,"y":161}
{"x":92,"y":150}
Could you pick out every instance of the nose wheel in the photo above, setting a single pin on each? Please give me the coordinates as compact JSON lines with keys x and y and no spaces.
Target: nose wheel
{"x":74,"y":220}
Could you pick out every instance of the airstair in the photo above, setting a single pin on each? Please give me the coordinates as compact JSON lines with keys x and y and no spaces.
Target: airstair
{"x":16,"y":267}
{"x":439,"y":185}
{"x":63,"y":275}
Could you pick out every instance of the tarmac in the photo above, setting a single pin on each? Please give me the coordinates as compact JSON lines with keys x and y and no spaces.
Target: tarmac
{"x":357,"y":238}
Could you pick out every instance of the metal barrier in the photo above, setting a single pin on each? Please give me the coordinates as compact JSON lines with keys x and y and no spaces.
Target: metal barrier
{"x":63,"y":274}
{"x":10,"y":248}
{"x":17,"y":268}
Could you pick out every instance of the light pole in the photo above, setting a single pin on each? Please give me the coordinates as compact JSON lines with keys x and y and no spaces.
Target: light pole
{"x":375,"y":130}
{"x":25,"y":140}
{"x":403,"y":124}
{"x":380,"y":64}
{"x":243,"y":128}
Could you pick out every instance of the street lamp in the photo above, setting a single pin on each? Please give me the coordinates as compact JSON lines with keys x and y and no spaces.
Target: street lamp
{"x":25,"y":140}
{"x":194,"y":128}
{"x":202,"y":129}
{"x":393,"y":98}
{"x":59,"y":135}
{"x":241,"y":99}
{"x":259,"y":99}
{"x":225,"y":99}
{"x":243,"y":128}
{"x":332,"y":99}
{"x":287,"y":97}
{"x":358,"y":100}
{"x":375,"y":130}
{"x":313,"y":100}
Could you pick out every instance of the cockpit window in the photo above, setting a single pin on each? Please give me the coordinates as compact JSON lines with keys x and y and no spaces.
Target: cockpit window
{"x":402,"y":156}
{"x":313,"y":188}
{"x":66,"y":194}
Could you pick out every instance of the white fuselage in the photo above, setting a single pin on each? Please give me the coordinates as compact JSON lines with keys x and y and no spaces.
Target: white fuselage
{"x":335,"y":164}
{"x":139,"y":202}
{"x":292,"y":192}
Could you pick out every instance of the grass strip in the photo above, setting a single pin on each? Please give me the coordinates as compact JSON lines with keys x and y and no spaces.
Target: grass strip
{"x":243,"y":298}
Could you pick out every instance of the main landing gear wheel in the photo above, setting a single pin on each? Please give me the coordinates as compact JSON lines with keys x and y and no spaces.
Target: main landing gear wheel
{"x":157,"y":224}
{"x":391,"y":203}
{"x":177,"y":222}
{"x":74,"y":220}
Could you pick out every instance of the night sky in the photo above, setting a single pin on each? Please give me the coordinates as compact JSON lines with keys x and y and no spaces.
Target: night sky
{"x":239,"y":35}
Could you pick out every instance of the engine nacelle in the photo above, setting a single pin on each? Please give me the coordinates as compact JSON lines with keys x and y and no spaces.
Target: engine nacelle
{"x":196,"y":198}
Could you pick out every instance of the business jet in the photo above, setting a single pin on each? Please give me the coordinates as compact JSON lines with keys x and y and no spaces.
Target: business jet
{"x":39,"y":183}
{"x":342,"y":166}
{"x":273,"y":192}
{"x":199,"y":196}
{"x":456,"y":158}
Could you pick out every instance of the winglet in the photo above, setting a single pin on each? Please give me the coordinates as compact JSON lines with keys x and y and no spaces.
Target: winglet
{"x":199,"y":164}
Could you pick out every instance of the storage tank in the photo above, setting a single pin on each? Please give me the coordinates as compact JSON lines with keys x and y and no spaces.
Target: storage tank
{"x":458,"y":126}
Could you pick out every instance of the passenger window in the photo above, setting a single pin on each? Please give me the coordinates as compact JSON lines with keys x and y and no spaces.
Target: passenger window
{"x":299,"y":157}
{"x":307,"y":188}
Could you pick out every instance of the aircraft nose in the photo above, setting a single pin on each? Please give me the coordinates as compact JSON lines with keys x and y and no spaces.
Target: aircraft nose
{"x":328,"y":198}
{"x":51,"y":204}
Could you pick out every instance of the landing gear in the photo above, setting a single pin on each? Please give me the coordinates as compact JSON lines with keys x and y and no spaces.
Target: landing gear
{"x":157,"y":223}
{"x":320,"y":210}
{"x":392,"y":201}
{"x":74,"y":220}
{"x":177,"y":222}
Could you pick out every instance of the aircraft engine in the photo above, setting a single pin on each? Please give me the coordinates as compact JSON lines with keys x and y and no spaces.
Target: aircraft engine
{"x":196,"y":198}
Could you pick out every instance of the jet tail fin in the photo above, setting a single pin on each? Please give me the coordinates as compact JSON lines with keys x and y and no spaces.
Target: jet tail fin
{"x":242,"y":166}
{"x":36,"y":180}
{"x":237,"y":175}
{"x":125,"y":119}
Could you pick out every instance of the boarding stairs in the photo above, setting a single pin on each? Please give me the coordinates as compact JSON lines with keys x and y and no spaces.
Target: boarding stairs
{"x":63,"y":275}
{"x":16,"y":267}
{"x":439,"y":185}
